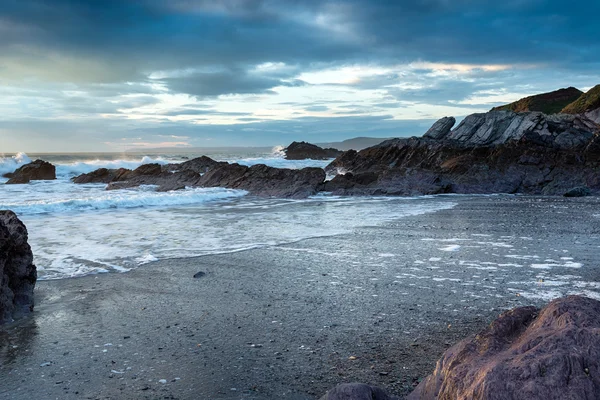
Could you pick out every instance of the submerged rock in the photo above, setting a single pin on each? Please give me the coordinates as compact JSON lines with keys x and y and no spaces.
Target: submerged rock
{"x":304,"y":150}
{"x":581,"y":191}
{"x":357,"y":391}
{"x":528,"y":354}
{"x":17,"y":272}
{"x":34,"y":171}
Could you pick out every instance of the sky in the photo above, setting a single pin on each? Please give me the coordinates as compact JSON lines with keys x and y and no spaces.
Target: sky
{"x":91,"y":75}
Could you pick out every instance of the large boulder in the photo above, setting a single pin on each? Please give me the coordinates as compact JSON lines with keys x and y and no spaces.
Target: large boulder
{"x":526,"y":353}
{"x":304,"y":150}
{"x":357,"y":391}
{"x":101,"y":175}
{"x":17,"y":272}
{"x":198,"y":165}
{"x":34,"y":171}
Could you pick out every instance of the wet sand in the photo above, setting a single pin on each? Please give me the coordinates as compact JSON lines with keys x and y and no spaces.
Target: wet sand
{"x":379,"y":306}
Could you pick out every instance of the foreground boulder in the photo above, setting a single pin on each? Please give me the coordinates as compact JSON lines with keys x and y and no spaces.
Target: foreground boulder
{"x":303,"y":150}
{"x":357,"y":391}
{"x":528,"y":354}
{"x":17,"y":272}
{"x":34,"y":171}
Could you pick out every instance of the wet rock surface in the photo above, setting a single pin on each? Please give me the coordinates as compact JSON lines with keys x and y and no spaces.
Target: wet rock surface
{"x":357,"y":391}
{"x":34,"y":171}
{"x":304,"y":150}
{"x":17,"y":272}
{"x":526,"y":353}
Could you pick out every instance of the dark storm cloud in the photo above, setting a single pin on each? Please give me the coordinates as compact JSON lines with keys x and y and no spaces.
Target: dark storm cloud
{"x":127,"y":40}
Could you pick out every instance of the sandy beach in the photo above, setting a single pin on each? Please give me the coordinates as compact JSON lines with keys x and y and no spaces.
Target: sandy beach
{"x":379,"y":305}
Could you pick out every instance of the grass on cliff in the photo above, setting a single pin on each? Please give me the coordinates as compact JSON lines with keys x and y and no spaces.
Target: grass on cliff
{"x":586,"y":102}
{"x":548,"y":103}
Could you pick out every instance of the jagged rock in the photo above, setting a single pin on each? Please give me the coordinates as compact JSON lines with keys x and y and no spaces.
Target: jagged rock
{"x":547,"y":103}
{"x":495,"y":152}
{"x":581,"y":191}
{"x":267,"y":181}
{"x":524,"y":354}
{"x":34,"y":171}
{"x":198,"y":165}
{"x":441,"y":128}
{"x":303,"y":150}
{"x":101,"y":175}
{"x":17,"y":272}
{"x":357,"y":391}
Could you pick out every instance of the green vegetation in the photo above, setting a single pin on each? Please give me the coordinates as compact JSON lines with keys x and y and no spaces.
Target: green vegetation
{"x":548,"y":103}
{"x":586,"y":102}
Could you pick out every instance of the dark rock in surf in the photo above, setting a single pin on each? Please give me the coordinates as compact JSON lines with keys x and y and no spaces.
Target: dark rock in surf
{"x":526,"y":353}
{"x":17,"y":272}
{"x":357,"y":391}
{"x":262,"y":180}
{"x":581,"y":191}
{"x":34,"y":171}
{"x":304,"y":150}
{"x":199,"y":274}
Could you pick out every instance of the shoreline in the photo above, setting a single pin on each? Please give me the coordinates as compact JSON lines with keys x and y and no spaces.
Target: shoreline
{"x":379,"y":305}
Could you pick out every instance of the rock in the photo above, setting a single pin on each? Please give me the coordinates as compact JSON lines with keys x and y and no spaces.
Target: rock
{"x":547,"y":103}
{"x":199,"y":274}
{"x":101,"y":175}
{"x":17,"y":272}
{"x":524,"y":354}
{"x":357,"y":391}
{"x":198,"y":165}
{"x":34,"y":171}
{"x":262,"y":180}
{"x":303,"y":150}
{"x":495,"y":152}
{"x":441,"y":128}
{"x":581,"y":191}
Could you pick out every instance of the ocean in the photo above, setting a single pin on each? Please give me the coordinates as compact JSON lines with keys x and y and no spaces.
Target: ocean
{"x":77,"y":230}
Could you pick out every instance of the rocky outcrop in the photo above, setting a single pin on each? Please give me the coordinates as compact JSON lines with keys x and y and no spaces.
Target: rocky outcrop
{"x":547,"y":103}
{"x":303,"y":150}
{"x":441,"y":128}
{"x":17,"y":272}
{"x":34,"y":171}
{"x":357,"y":391}
{"x":580,"y":191}
{"x":259,"y":179}
{"x":531,"y":354}
{"x":265,"y":181}
{"x":495,"y":152}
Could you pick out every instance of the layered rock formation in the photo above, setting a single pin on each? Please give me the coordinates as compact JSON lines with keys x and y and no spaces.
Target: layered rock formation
{"x":494,"y":152}
{"x":303,"y":150}
{"x":17,"y":272}
{"x":532,"y":354}
{"x":34,"y":171}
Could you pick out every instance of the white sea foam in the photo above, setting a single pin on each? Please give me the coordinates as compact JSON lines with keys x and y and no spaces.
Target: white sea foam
{"x":69,"y":170}
{"x":11,"y":163}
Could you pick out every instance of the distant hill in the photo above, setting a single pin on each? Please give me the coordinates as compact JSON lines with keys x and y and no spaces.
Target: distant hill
{"x":548,"y":103}
{"x":357,"y":143}
{"x":586,"y":102}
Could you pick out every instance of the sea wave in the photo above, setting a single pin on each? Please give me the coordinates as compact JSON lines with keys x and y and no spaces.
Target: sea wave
{"x":69,"y":170}
{"x":101,"y":200}
{"x":10,"y":164}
